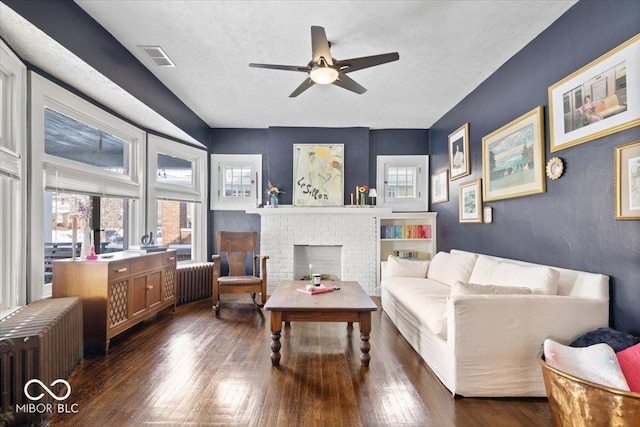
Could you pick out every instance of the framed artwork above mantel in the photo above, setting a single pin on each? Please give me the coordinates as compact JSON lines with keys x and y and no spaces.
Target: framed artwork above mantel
{"x":318,"y":174}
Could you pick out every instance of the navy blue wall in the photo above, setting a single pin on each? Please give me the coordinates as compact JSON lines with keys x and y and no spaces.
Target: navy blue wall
{"x":361,"y":147}
{"x":573,"y":224}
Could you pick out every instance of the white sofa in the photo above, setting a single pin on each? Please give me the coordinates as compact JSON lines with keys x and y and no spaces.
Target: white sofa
{"x":486,"y":344}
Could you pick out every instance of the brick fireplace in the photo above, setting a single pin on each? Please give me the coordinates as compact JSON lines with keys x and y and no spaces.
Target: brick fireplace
{"x":353,"y":230}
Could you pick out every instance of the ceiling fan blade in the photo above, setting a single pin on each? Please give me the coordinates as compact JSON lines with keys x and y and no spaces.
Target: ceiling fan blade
{"x":353,"y":64}
{"x":280,"y":67}
{"x":304,"y":86}
{"x":348,"y":83}
{"x":320,"y":45}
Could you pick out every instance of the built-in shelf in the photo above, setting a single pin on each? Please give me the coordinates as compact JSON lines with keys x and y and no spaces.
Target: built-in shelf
{"x":408,"y":224}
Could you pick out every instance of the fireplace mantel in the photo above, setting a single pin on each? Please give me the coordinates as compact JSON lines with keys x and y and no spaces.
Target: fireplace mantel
{"x":296,"y":210}
{"x":354,"y":229}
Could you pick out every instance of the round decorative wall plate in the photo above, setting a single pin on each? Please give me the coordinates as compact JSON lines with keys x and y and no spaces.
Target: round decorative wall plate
{"x":555,"y":168}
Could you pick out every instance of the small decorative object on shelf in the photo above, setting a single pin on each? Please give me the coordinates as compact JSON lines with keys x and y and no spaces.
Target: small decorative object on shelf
{"x":361,"y":194}
{"x":273,"y":193}
{"x":316,"y":278}
{"x":372,"y":195}
{"x":406,"y":254}
{"x":92,"y":254}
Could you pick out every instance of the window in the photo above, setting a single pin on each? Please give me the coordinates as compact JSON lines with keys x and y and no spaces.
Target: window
{"x":64,"y":210}
{"x":236,"y":181}
{"x":12,"y":181}
{"x":402,"y":182}
{"x":177,"y":214}
{"x":72,"y":139}
{"x":92,"y":169}
{"x":174,"y":170}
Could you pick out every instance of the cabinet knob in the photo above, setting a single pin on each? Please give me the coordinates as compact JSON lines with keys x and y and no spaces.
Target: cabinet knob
{"x":121,"y":270}
{"x":150,"y":287}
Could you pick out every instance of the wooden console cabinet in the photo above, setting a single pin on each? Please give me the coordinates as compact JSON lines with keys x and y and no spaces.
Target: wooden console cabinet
{"x":118,"y":290}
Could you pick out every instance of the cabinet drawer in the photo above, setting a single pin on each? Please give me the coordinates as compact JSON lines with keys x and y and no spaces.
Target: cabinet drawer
{"x":147,"y":262}
{"x":119,"y":269}
{"x":170,"y":258}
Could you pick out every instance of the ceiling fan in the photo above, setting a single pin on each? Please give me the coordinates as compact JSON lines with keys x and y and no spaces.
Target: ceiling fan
{"x":323,"y":69}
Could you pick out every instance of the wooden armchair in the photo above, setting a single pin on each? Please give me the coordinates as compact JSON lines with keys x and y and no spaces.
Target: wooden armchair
{"x":238,"y":246}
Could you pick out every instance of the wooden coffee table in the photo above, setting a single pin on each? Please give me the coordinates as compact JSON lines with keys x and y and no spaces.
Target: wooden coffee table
{"x":349,"y":304}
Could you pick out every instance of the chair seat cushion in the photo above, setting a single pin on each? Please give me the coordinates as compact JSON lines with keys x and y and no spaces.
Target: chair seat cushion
{"x":239,"y":280}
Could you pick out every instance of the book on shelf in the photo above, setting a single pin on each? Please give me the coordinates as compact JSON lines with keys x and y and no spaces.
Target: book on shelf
{"x":406,"y":254}
{"x":408,"y":231}
{"x":316,"y":290}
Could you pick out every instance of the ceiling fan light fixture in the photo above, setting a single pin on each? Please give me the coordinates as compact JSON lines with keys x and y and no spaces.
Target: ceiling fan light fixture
{"x":323,"y":75}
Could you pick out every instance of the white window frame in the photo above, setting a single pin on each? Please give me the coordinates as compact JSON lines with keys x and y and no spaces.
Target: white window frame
{"x":13,"y":182}
{"x":197,"y":193}
{"x":48,"y":172}
{"x":218,"y":201}
{"x":421,"y":163}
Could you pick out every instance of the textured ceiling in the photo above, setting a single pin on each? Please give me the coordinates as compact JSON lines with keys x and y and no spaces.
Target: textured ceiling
{"x":446,"y":48}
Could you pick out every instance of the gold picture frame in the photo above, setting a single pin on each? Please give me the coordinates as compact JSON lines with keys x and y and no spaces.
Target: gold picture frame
{"x":599,"y":99}
{"x":458,"y":143}
{"x":627,"y":172}
{"x":513,"y":158}
{"x":470,"y":202}
{"x":440,"y":187}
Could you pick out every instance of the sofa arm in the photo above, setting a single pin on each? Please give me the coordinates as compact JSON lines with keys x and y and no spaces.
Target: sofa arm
{"x":494,"y":324}
{"x":496,"y":338}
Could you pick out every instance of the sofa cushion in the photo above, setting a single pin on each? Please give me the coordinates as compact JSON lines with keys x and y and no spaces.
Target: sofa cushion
{"x":461,"y":288}
{"x":482,"y":270}
{"x":629,"y":360}
{"x":618,"y":340}
{"x":451,"y":268}
{"x":397,"y":267}
{"x":424,"y":299}
{"x":597,"y":363}
{"x":541,"y":279}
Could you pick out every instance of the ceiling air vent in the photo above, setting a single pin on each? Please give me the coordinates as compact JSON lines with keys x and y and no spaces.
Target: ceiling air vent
{"x":158,"y":56}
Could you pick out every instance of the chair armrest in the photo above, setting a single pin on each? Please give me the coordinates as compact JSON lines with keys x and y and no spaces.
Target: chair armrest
{"x":216,"y":265}
{"x":263,"y":265}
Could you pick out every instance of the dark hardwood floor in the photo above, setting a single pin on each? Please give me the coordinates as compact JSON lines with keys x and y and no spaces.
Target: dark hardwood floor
{"x":196,"y":368}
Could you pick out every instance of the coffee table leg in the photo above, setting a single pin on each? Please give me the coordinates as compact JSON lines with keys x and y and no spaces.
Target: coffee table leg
{"x":276,"y":327}
{"x":365,"y":329}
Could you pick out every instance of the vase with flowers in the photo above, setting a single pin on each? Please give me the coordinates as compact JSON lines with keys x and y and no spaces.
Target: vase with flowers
{"x":273,"y":193}
{"x":362,"y":194}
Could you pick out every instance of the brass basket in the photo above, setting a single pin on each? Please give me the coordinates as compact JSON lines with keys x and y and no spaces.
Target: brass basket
{"x":575,"y":402}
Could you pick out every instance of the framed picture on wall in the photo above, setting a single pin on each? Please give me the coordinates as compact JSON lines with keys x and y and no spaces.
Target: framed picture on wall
{"x":318,"y":174}
{"x":440,"y":187}
{"x":458,"y":143}
{"x":513,"y":158}
{"x":627,"y":165}
{"x":601,"y":98}
{"x":470,"y":201}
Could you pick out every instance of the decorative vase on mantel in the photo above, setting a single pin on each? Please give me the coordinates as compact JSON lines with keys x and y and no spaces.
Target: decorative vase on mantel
{"x":274,"y":200}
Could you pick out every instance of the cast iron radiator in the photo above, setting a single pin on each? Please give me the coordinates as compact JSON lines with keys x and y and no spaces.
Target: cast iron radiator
{"x":41,"y":341}
{"x":194,"y":281}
